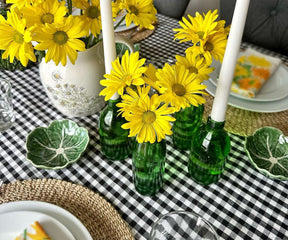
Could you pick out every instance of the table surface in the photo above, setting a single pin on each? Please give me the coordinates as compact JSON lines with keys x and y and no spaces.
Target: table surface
{"x":244,"y":204}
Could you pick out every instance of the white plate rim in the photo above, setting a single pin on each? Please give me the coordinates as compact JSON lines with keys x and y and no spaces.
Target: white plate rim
{"x":22,"y":219}
{"x":72,"y":223}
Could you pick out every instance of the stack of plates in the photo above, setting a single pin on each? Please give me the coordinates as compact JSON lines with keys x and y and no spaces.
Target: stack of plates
{"x":273,"y":96}
{"x":58,"y":223}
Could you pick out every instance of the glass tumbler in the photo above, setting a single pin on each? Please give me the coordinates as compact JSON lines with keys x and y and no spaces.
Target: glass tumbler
{"x":7,"y":117}
{"x":182,"y":225}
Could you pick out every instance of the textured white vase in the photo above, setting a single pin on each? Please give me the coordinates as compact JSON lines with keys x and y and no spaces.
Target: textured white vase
{"x":74,"y":89}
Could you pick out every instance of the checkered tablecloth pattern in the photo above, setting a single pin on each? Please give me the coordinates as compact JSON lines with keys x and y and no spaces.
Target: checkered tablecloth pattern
{"x":244,"y":204}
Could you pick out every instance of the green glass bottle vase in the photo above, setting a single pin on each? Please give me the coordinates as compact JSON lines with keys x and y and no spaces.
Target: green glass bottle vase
{"x":209,"y":150}
{"x":187,"y":122}
{"x":148,"y":166}
{"x":114,"y":140}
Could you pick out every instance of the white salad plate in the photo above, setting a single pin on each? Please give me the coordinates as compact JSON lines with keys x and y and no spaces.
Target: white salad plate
{"x":276,"y":87}
{"x":12,"y":224}
{"x":73,"y":224}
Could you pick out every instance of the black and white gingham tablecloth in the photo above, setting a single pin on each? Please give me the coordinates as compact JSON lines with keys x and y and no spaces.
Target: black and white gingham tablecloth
{"x":244,"y":204}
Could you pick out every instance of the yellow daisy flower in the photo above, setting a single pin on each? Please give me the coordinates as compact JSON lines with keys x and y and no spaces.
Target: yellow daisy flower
{"x":182,"y":87}
{"x":45,"y":12}
{"x":198,"y":28}
{"x":131,"y":99}
{"x":15,"y":40}
{"x":141,"y":12}
{"x":116,"y":8}
{"x":128,"y":72}
{"x":213,"y":47}
{"x":150,"y":120}
{"x":151,"y":79}
{"x":21,"y":3}
{"x":61,"y":40}
{"x":91,"y":17}
{"x":195,"y":64}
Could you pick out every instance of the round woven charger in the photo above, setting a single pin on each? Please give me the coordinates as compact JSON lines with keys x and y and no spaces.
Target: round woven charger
{"x":97,"y":215}
{"x":136,"y":35}
{"x":244,"y":123}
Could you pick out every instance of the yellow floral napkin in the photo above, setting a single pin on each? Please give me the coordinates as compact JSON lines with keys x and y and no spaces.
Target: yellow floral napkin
{"x":252,"y":70}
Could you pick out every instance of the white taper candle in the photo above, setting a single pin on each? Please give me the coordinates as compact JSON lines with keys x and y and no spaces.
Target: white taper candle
{"x":229,"y":61}
{"x":108,"y":36}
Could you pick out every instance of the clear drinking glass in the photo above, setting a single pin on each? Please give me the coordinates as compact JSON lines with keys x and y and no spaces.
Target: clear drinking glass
{"x":7,"y":117}
{"x":182,"y":225}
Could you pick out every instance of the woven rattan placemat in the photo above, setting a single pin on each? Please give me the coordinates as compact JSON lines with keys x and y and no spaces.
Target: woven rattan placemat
{"x":244,"y":123}
{"x":98,"y":216}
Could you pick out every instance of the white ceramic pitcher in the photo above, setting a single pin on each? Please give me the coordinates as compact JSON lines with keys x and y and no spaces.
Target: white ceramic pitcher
{"x":74,"y":89}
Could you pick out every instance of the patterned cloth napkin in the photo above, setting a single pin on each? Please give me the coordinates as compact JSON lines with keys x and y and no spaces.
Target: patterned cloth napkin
{"x":252,"y":70}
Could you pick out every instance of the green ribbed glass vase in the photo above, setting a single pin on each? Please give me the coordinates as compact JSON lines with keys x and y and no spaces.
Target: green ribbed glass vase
{"x":148,"y":166}
{"x":209,"y":150}
{"x":114,"y":140}
{"x":187,"y":122}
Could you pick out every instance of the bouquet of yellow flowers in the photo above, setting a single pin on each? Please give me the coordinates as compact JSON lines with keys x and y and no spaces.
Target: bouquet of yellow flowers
{"x":52,"y":26}
{"x":150,"y":95}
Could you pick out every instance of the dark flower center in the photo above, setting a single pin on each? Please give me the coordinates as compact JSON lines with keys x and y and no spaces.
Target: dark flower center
{"x":18,"y":37}
{"x":208,"y":46}
{"x":133,"y":9}
{"x":93,"y":12}
{"x":179,"y":89}
{"x":200,"y":34}
{"x":193,"y":69}
{"x":60,"y":37}
{"x":149,"y":117}
{"x":47,"y":18}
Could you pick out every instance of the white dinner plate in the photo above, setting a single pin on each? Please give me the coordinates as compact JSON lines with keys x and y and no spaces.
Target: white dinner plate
{"x":12,"y":224}
{"x":274,"y":89}
{"x":72,"y":223}
{"x":123,"y":27}
{"x":263,"y":107}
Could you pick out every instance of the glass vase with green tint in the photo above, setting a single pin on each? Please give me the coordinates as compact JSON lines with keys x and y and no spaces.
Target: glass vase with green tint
{"x":188,"y":121}
{"x":114,"y":140}
{"x":148,"y":166}
{"x":209,"y":150}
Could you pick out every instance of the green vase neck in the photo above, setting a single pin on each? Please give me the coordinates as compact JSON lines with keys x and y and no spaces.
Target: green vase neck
{"x":112,"y":103}
{"x":213,"y":125}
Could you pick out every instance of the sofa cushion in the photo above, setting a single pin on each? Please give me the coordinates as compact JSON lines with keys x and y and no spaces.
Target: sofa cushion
{"x":266,"y":23}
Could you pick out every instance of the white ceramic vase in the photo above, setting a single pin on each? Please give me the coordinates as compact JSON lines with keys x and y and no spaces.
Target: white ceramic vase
{"x":74,"y":89}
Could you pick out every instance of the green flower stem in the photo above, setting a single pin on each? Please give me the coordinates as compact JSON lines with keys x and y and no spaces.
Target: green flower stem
{"x":118,"y":24}
{"x":69,"y":4}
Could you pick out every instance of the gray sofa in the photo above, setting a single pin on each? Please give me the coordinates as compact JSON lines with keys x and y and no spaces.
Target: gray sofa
{"x":266,"y":24}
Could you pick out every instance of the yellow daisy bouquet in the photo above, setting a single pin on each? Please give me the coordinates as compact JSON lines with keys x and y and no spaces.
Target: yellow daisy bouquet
{"x":150,"y":96}
{"x":52,"y":27}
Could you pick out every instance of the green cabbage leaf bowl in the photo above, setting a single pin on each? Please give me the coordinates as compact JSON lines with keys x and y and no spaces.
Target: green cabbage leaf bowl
{"x":60,"y":144}
{"x":267,"y":149}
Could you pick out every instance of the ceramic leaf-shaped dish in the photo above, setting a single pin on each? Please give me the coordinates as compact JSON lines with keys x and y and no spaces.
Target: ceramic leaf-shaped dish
{"x":56,"y":146}
{"x":267,"y":149}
